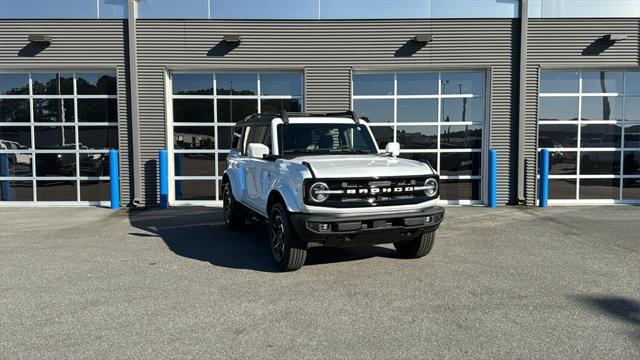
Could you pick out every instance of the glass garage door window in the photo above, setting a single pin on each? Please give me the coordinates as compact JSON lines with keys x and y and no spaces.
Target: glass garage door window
{"x":205,"y":109}
{"x":590,"y":122}
{"x":56,"y":129}
{"x":437,"y":117}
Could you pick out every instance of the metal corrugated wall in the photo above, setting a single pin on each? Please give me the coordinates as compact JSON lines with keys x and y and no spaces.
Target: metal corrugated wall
{"x":76,"y":45}
{"x":571,"y":44}
{"x":327,"y":50}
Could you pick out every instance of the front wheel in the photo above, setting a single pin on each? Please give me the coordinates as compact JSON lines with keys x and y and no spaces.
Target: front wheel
{"x":416,"y":248}
{"x":289,"y":252}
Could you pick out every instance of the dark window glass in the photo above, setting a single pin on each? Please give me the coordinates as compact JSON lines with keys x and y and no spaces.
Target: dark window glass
{"x":224,"y":137}
{"x":632,"y":108}
{"x":195,"y":164}
{"x":56,"y":190}
{"x":55,"y":137}
{"x":193,"y":110}
{"x":96,"y":84}
{"x":601,"y":135}
{"x":417,"y":83}
{"x":460,"y":189}
{"x":462,"y":83}
{"x":97,"y":110}
{"x":632,"y":136}
{"x":236,"y":141}
{"x":599,"y":189}
{"x":632,"y":163}
{"x":98,"y":137}
{"x":15,"y":137}
{"x":277,"y":105}
{"x":417,"y":110}
{"x":94,"y":190}
{"x":562,"y":189}
{"x":195,"y":190}
{"x":602,"y":82}
{"x":373,"y":84}
{"x":631,"y":189}
{"x":558,"y":136}
{"x":376,"y":110}
{"x":193,"y":137}
{"x":600,"y":162}
{"x":281,"y":84}
{"x":563,"y":162}
{"x":430,"y":158}
{"x":632,"y":82}
{"x":558,"y":108}
{"x":93,"y":164}
{"x":237,"y":84}
{"x":52,"y":84}
{"x":418,"y":137}
{"x":320,"y":139}
{"x":14,"y":84}
{"x":16,"y":190}
{"x":15,"y":164}
{"x":457,"y":164}
{"x":467,"y":109}
{"x":14,"y":110}
{"x":559,"y":82}
{"x":192,"y":84}
{"x":222,"y":163}
{"x":601,"y":108}
{"x":53,"y":110}
{"x":383,"y":135}
{"x":460,"y":137}
{"x":233,"y":110}
{"x":56,"y":164}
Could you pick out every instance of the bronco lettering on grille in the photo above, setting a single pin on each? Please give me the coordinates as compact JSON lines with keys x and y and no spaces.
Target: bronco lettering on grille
{"x":387,"y":190}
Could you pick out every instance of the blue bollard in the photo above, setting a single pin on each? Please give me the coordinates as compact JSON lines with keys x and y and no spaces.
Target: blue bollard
{"x":114,"y":178}
{"x":4,"y":171}
{"x":544,"y":178}
{"x":164,"y":179}
{"x":493,"y":175}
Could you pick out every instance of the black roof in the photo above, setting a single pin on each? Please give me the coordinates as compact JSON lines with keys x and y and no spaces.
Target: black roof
{"x":266,"y":118}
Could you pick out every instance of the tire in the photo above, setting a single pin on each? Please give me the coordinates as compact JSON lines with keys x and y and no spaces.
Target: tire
{"x":231,"y":210}
{"x":288,"y":251}
{"x":416,"y":248}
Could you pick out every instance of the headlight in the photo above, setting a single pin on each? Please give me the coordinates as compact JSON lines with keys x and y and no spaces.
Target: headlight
{"x":431,"y":187}
{"x":316,"y":192}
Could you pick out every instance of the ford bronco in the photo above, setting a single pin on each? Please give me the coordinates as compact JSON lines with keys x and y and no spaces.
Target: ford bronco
{"x":320,"y":179}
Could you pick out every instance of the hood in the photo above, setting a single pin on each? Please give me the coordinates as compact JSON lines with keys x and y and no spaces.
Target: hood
{"x":359,"y":166}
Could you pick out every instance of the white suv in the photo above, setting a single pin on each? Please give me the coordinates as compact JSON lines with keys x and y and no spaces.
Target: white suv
{"x":320,"y":179}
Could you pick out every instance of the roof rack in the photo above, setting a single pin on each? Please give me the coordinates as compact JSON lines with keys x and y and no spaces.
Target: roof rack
{"x":284,"y":115}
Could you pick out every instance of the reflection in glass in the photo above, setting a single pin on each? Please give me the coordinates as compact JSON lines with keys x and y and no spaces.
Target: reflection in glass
{"x":16,"y":190}
{"x":462,"y":83}
{"x":96,"y":84}
{"x":237,"y":84}
{"x":601,"y":108}
{"x":559,"y":82}
{"x":98,"y":137}
{"x":376,"y":110}
{"x":448,"y":9}
{"x":379,"y":9}
{"x":631,"y":189}
{"x":599,"y":189}
{"x":224,"y":137}
{"x":233,"y":110}
{"x":53,"y":110}
{"x":15,"y":137}
{"x":193,"y":110}
{"x":418,"y":137}
{"x":632,"y":108}
{"x":55,"y":137}
{"x":52,"y":84}
{"x":461,"y":137}
{"x":466,"y":109}
{"x":14,"y":84}
{"x":14,"y":110}
{"x":429,"y":158}
{"x":458,"y":164}
{"x":94,"y":164}
{"x":383,"y":135}
{"x":192,"y":84}
{"x":15,"y":164}
{"x":194,"y":164}
{"x":264,"y":9}
{"x":195,"y":189}
{"x":601,"y":135}
{"x":281,"y":84}
{"x":460,"y":189}
{"x":97,"y":110}
{"x":560,"y":189}
{"x":632,"y":136}
{"x":172,"y":9}
{"x":373,"y":84}
{"x":222,"y":164}
{"x":563,"y":163}
{"x":632,"y":82}
{"x":278,"y":105}
{"x":600,"y":163}
{"x":193,"y":137}
{"x":94,"y":190}
{"x":417,"y":110}
{"x":558,"y":108}
{"x":632,"y":163}
{"x":56,"y":164}
{"x":558,"y":136}
{"x":602,"y":82}
{"x":417,"y":83}
{"x":56,"y":190}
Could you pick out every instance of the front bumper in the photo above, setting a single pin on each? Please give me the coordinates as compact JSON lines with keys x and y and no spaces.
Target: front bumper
{"x":354,"y":230}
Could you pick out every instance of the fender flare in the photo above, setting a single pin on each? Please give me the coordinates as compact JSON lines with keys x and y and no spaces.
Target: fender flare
{"x":287,"y":195}
{"x":235,"y":181}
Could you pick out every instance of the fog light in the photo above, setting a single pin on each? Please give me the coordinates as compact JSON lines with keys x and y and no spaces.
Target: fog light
{"x":325,"y":227}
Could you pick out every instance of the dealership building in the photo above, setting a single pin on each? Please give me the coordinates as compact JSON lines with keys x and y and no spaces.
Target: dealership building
{"x":448,"y":79}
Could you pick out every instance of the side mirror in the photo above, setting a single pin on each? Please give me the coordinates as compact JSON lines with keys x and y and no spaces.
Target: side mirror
{"x":393,"y":148}
{"x":257,"y":151}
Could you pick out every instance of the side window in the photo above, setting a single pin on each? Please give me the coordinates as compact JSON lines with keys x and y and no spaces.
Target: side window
{"x":267,"y":137}
{"x":236,"y":139}
{"x":256,"y":134}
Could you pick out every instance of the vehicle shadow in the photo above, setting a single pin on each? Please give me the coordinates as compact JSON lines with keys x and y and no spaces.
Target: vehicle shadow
{"x":621,"y":308}
{"x":200,"y":233}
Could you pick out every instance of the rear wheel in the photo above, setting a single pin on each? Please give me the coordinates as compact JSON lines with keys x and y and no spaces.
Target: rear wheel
{"x":287,"y":249}
{"x":416,"y":248}
{"x":233,"y":214}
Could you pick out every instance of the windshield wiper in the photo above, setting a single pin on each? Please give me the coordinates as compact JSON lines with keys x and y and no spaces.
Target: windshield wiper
{"x":351,"y":151}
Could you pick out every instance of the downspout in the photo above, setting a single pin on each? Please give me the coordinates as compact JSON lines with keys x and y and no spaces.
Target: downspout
{"x":136,"y":163}
{"x":524,"y":29}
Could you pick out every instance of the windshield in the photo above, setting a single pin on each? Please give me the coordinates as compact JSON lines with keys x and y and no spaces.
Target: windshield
{"x":325,"y":139}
